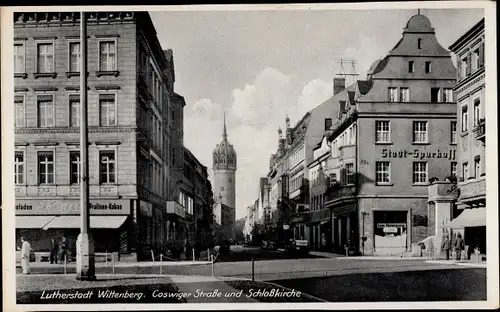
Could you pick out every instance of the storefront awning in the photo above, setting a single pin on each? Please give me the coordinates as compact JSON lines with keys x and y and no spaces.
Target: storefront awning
{"x":469,"y":218}
{"x":32,"y":222}
{"x":96,"y":222}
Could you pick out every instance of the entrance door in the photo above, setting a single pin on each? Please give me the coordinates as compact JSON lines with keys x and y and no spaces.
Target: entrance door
{"x":390,"y":232}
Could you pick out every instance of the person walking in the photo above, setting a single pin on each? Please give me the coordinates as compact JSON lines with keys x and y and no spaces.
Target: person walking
{"x":53,"y":251}
{"x":63,"y":249}
{"x":25,"y":255}
{"x":459,"y":246}
{"x":446,"y":246}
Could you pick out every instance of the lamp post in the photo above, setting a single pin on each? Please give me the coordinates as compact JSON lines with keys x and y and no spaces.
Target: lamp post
{"x":85,"y":265}
{"x":363,"y":238}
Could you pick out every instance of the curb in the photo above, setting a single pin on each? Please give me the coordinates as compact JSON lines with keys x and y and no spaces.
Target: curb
{"x":382,"y":258}
{"x":125,"y":265}
{"x":451,"y":262}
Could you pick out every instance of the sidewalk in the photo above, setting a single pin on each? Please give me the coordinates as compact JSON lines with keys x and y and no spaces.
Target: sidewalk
{"x":466,"y":263}
{"x":119,"y":264}
{"x":343,"y":257}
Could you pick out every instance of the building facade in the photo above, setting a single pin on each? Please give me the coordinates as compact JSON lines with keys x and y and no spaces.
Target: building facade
{"x":395,"y":132}
{"x":470,"y":92}
{"x":224,"y":166}
{"x":130,"y":83}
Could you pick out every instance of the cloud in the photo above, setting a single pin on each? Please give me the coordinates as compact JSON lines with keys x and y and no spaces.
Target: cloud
{"x":256,"y":111}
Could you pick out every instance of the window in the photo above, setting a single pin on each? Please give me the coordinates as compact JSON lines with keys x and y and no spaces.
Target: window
{"x":428,"y":67}
{"x":465,"y":171}
{"x":453,"y":130}
{"x":45,"y":167}
{"x":383,"y":172}
{"x":419,"y":43}
{"x":475,"y":60}
{"x":464,"y":67}
{"x":107,"y":109}
{"x":420,"y":132}
{"x":435,"y":95}
{"x":465,"y":118}
{"x":393,"y":94}
{"x":382,"y":133}
{"x":19,"y":110}
{"x":477,"y":167}
{"x":448,"y":95}
{"x":333,"y":178}
{"x":328,"y":124}
{"x":350,"y":173}
{"x":19,"y":58}
{"x":74,"y":103}
{"x":75,"y":167}
{"x":19,"y":168}
{"x":74,"y":56}
{"x":477,"y":109}
{"x":405,"y":94}
{"x":107,"y":166}
{"x":45,"y":110}
{"x":454,"y":168}
{"x":420,"y":172}
{"x":107,"y":56}
{"x":411,"y":66}
{"x":45,"y":58}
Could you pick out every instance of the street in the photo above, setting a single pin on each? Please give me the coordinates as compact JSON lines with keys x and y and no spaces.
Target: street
{"x":331,"y":279}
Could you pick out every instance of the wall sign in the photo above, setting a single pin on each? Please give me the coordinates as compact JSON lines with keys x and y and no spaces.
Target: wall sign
{"x":416,"y":154}
{"x":71,"y":207}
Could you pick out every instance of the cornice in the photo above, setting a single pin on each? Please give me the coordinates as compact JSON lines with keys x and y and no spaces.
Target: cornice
{"x":73,"y":130}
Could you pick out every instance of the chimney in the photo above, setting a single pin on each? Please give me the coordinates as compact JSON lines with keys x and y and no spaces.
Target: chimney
{"x":338,"y":85}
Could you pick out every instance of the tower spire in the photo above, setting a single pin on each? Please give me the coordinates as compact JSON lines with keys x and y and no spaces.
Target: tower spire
{"x":224,"y":134}
{"x":418,"y":11}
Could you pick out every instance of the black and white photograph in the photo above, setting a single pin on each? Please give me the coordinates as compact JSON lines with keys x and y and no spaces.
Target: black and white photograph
{"x":272,"y":156}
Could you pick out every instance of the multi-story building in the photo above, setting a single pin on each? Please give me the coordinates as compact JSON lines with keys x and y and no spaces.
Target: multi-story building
{"x":224,"y":166}
{"x":130,"y":80}
{"x":396,"y":131}
{"x":290,"y":189}
{"x":470,"y":169}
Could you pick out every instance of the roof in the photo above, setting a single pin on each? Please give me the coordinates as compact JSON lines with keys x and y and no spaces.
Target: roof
{"x":419,"y":24}
{"x":465,"y":37}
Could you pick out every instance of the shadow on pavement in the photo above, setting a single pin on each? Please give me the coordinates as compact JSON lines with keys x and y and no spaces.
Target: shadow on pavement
{"x":432,"y":285}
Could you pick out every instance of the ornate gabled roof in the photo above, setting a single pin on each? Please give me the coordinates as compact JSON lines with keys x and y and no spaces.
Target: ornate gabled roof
{"x":419,"y":24}
{"x":224,"y":155}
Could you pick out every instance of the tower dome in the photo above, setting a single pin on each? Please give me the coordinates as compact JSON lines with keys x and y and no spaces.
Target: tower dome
{"x":224,"y":155}
{"x":419,"y":24}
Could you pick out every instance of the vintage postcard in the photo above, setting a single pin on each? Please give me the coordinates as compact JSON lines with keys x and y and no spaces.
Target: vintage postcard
{"x":285,"y":156}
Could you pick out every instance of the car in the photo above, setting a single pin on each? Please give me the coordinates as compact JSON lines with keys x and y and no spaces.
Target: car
{"x":298,"y":246}
{"x":225,"y":246}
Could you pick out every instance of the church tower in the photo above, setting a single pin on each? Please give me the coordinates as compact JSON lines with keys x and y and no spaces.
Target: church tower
{"x":224,"y":161}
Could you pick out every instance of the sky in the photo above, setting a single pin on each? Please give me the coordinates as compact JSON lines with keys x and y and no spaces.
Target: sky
{"x":260,"y":66}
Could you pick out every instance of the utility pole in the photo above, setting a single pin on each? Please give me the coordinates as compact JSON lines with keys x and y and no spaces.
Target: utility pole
{"x":85,"y":262}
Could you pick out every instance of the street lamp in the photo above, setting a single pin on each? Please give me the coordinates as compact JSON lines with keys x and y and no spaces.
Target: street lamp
{"x":85,"y":265}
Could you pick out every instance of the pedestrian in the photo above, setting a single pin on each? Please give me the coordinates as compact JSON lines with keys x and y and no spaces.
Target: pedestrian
{"x":323,"y":241}
{"x":25,"y":255}
{"x":459,"y":246}
{"x":446,"y":246}
{"x":63,"y":249}
{"x":53,"y":251}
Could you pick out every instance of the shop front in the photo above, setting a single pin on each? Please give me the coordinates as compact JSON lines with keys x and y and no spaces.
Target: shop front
{"x":390,"y":232}
{"x":44,"y":221}
{"x":320,"y":230}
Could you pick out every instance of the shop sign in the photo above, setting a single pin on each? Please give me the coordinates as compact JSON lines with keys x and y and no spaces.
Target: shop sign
{"x":391,"y":229}
{"x":416,"y":154}
{"x":387,"y":225}
{"x":71,"y":207}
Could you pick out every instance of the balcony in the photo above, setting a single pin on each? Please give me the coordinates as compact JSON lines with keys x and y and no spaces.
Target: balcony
{"x":338,"y":194}
{"x":175,"y":208}
{"x":472,"y":191}
{"x":442,"y":191}
{"x":480,"y":130}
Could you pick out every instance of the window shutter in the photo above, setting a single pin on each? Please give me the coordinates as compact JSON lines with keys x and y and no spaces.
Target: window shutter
{"x":469,"y":63}
{"x":481,"y":54}
{"x":459,"y":68}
